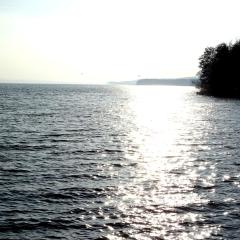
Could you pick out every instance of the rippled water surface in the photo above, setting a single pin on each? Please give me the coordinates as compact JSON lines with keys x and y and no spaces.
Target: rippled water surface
{"x":108,"y":162}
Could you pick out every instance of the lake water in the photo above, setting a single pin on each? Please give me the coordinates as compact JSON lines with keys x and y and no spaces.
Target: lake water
{"x":112,"y":162}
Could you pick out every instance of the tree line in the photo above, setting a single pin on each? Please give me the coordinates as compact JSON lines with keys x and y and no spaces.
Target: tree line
{"x":219,"y":73}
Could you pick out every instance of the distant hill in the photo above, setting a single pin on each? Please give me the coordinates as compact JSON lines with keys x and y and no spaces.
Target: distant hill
{"x":189,"y":81}
{"x":124,"y":83}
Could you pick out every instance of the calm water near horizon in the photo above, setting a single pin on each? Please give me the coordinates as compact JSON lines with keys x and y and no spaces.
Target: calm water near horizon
{"x":118,"y":162}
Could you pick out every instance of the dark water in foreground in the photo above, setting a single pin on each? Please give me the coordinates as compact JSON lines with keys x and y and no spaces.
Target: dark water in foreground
{"x":103,"y":162}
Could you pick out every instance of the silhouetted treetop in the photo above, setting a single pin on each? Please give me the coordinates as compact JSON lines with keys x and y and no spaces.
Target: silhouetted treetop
{"x":219,"y":73}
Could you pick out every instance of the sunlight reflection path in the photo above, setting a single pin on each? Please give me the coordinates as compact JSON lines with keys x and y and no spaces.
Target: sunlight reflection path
{"x":159,"y":197}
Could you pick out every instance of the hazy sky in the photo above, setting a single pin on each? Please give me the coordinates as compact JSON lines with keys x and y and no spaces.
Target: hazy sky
{"x":96,"y":41}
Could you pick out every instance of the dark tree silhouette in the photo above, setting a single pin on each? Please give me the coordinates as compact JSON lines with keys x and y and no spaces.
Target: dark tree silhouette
{"x":219,"y":73}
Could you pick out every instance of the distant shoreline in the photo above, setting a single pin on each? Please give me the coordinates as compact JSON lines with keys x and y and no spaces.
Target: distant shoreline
{"x":187,"y":81}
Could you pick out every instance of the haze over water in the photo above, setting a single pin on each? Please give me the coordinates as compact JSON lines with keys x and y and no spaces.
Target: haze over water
{"x":111,"y":162}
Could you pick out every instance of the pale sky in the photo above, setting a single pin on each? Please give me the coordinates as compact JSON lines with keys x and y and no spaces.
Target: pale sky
{"x":96,"y":41}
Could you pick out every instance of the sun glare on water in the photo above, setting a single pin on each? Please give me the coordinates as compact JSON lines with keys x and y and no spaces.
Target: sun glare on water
{"x":162,"y":186}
